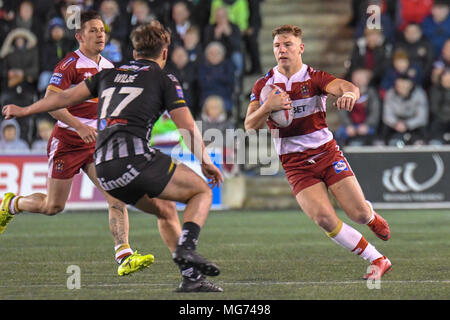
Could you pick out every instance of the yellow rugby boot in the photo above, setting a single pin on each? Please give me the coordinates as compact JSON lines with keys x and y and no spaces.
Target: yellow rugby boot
{"x":134,"y":262}
{"x":5,"y":215}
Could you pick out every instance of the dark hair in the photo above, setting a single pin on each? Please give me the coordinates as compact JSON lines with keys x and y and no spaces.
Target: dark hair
{"x":441,"y":3}
{"x":404,"y":76}
{"x":287,"y":28}
{"x":150,"y":39}
{"x":88,"y":16}
{"x":27,"y":2}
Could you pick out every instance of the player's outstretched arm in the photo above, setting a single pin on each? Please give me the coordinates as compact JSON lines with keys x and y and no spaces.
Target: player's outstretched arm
{"x":182,"y":117}
{"x":346,"y":92}
{"x":68,"y":97}
{"x":87,"y":134}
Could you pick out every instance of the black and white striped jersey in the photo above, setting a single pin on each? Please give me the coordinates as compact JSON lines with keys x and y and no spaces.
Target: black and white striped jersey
{"x":131,"y":99}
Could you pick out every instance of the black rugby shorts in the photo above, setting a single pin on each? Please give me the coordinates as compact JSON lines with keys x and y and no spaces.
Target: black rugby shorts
{"x":129,"y":179}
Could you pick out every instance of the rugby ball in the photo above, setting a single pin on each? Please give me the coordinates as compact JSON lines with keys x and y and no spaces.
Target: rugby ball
{"x":282,"y":118}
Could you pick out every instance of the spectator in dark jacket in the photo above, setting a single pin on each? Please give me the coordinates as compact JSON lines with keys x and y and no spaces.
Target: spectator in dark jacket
{"x":251,"y":37}
{"x":52,"y":51}
{"x":20,"y":67}
{"x":442,"y":63}
{"x":201,"y":12}
{"x":387,"y":25}
{"x":436,"y":27}
{"x":26,"y":19}
{"x":440,"y":110}
{"x":193,"y":45}
{"x":401,"y":65}
{"x":359,"y":126}
{"x":216,"y":75}
{"x":6,"y":22}
{"x":186,"y":73}
{"x":179,"y":23}
{"x":20,"y":59}
{"x":371,"y":52}
{"x":61,"y":10}
{"x":141,"y":13}
{"x":418,"y":48}
{"x":116,"y":24}
{"x":229,"y":35}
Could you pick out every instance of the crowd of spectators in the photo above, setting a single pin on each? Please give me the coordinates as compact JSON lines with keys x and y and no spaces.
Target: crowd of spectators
{"x":402,"y":68}
{"x":214,"y":44}
{"x":403,"y":72}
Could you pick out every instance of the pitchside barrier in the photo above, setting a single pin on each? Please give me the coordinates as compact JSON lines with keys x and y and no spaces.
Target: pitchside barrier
{"x":403,"y":178}
{"x":391,"y":177}
{"x":27,"y":174}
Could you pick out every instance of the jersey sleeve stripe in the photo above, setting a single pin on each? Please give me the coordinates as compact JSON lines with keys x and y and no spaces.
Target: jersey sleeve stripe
{"x":54,"y":89}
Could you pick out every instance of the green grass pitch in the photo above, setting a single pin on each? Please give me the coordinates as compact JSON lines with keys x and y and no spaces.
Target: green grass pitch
{"x":263,"y":255}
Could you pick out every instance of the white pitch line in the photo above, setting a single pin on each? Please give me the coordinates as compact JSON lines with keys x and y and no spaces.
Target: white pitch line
{"x":259,"y":283}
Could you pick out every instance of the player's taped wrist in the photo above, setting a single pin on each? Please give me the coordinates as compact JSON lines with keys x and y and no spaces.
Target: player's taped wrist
{"x":349,"y":94}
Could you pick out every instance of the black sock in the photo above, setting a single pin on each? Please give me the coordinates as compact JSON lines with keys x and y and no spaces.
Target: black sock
{"x":189,"y":235}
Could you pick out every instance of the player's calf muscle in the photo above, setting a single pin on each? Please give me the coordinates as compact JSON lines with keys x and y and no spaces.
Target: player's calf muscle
{"x":39,"y":203}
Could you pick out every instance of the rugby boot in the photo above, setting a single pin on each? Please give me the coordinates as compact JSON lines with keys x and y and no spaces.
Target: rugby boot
{"x":200,"y":285}
{"x":380,"y":227}
{"x":378,"y":268}
{"x":185,"y":257}
{"x":5,"y":215}
{"x":134,"y":262}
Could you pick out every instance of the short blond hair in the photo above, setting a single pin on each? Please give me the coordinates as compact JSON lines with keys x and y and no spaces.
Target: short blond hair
{"x":287,"y":28}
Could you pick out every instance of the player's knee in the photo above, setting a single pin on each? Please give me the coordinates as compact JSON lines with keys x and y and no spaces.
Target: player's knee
{"x":323,"y":220}
{"x":361,"y":219}
{"x":207,"y":191}
{"x":204,"y":188}
{"x":116,"y":205}
{"x":201,"y":189}
{"x":170,"y":208}
{"x":360,"y":213}
{"x":167,"y":210}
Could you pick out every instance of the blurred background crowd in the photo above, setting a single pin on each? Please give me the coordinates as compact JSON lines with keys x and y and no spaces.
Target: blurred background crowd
{"x":402,"y":68}
{"x":403,"y":74}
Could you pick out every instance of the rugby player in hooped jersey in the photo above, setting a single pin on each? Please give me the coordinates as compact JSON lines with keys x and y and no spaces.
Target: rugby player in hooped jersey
{"x":71,"y":148}
{"x":308,"y":152}
{"x":132,"y":97}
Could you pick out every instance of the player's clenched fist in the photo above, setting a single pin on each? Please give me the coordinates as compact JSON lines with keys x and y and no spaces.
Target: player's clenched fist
{"x":11,"y":111}
{"x":346,"y":102}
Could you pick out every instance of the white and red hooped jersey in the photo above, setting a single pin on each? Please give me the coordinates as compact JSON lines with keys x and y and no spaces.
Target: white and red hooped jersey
{"x":69,"y":72}
{"x":308,"y":134}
